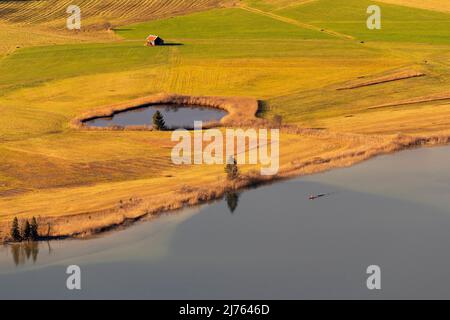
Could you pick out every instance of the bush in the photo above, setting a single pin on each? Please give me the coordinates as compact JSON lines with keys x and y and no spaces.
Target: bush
{"x":277,"y":120}
{"x":231,"y":169}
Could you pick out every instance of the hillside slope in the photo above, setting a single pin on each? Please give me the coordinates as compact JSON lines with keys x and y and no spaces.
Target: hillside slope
{"x":31,"y":23}
{"x":437,"y":5}
{"x":53,"y":12}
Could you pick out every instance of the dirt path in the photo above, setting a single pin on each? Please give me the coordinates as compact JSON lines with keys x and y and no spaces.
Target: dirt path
{"x":296,"y":23}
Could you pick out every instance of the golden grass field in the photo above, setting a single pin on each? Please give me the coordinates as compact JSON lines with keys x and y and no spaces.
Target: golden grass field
{"x":81,"y":181}
{"x":429,"y":4}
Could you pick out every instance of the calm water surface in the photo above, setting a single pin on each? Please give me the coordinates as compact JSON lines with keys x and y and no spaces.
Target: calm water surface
{"x":174,"y":116}
{"x":270,"y":242}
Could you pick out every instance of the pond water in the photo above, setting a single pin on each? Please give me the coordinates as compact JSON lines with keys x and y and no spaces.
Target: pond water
{"x":175,"y":116}
{"x":269,"y":242}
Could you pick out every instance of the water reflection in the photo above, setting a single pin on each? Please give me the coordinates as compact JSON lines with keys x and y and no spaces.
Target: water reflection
{"x":392,"y":211}
{"x":175,"y":116}
{"x":232,"y":199}
{"x":25,"y":252}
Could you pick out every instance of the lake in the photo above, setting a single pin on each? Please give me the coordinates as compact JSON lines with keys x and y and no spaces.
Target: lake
{"x":271,"y":242}
{"x":175,"y":116}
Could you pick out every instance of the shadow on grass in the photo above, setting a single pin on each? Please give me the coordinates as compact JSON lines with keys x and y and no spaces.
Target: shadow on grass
{"x":263,"y":108}
{"x":122,"y":29}
{"x":168,"y":44}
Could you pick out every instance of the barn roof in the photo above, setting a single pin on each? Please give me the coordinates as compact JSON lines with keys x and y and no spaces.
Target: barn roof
{"x":152,"y":37}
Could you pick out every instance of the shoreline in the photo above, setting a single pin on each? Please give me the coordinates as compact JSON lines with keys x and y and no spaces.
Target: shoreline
{"x":238,"y":108}
{"x":195,"y":197}
{"x":241,"y":113}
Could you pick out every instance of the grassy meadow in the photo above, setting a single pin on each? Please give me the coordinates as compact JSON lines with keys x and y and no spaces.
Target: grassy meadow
{"x":294,"y":55}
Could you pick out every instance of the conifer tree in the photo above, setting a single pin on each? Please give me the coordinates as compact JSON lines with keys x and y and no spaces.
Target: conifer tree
{"x":158,"y":121}
{"x":15,"y":232}
{"x":26,"y":232}
{"x":34,"y":234}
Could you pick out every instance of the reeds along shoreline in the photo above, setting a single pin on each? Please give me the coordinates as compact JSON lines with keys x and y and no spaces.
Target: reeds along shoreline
{"x":241,"y":113}
{"x":92,"y":223}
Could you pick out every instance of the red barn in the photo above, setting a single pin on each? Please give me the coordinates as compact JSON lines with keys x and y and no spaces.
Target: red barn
{"x":153,"y":40}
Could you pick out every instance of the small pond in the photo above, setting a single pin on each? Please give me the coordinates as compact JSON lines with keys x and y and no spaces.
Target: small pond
{"x":175,"y":116}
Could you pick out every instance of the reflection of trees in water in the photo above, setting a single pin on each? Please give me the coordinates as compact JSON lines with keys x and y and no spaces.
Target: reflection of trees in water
{"x":25,"y":251}
{"x":232,"y":199}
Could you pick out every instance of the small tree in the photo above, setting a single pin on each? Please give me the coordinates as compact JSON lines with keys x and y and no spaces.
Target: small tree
{"x":15,"y":232}
{"x":277,"y":120}
{"x":26,"y":232}
{"x":34,"y":234}
{"x":231,"y":169}
{"x":158,"y":121}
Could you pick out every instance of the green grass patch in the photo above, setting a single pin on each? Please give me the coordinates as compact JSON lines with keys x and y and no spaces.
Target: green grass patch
{"x":260,"y":49}
{"x":220,"y":24}
{"x":34,"y":66}
{"x":398,"y":23}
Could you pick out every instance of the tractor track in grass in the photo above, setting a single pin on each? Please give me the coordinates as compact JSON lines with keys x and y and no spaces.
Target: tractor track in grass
{"x":381,"y":80}
{"x":424,"y":99}
{"x":296,"y":23}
